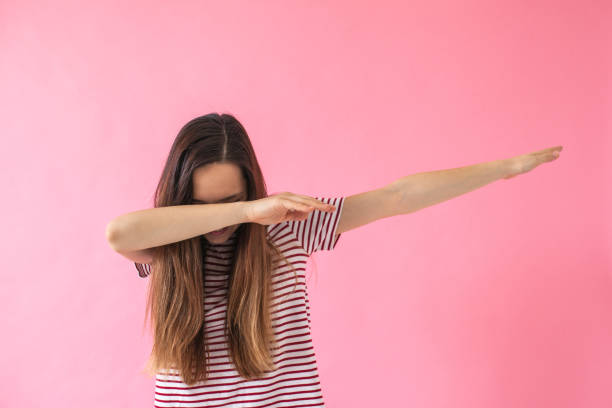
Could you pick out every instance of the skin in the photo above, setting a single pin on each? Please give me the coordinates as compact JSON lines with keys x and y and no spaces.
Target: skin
{"x":424,"y":189}
{"x":212,"y":183}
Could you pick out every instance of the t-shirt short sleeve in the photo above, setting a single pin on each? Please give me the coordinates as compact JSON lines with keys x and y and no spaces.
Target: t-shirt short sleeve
{"x":144,"y":270}
{"x":317,"y":232}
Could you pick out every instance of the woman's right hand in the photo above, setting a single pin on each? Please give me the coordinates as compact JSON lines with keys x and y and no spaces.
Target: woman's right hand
{"x":283,"y":207}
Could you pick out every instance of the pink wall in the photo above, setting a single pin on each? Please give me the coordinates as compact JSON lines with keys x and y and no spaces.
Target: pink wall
{"x":498,"y":298}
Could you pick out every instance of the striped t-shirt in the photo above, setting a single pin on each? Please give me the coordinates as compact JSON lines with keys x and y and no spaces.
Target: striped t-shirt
{"x":295,"y":382}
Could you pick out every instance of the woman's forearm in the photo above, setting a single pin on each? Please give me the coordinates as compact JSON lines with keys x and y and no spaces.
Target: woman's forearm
{"x":420,"y":190}
{"x":164,"y":225}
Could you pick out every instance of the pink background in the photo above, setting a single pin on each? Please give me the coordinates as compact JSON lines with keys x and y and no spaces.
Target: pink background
{"x":497,"y":298}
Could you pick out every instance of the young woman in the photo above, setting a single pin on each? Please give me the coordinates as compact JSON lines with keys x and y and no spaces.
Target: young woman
{"x":226,"y":264}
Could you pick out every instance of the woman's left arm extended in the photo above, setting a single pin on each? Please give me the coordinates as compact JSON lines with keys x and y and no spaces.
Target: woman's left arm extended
{"x":420,"y":190}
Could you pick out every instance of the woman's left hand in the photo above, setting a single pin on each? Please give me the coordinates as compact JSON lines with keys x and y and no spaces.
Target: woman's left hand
{"x":527,"y":162}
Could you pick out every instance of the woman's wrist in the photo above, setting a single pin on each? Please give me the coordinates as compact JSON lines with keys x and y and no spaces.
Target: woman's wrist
{"x":244,"y":208}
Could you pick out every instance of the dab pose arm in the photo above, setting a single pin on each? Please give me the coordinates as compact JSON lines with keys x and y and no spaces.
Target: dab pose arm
{"x":134,"y":233}
{"x":420,"y":190}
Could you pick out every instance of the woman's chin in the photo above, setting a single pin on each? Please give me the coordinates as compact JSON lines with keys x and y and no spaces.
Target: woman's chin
{"x":220,"y":237}
{"x":216,"y":240}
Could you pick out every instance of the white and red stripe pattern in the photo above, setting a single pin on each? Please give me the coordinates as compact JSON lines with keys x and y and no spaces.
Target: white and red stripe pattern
{"x":143,"y":269}
{"x":295,"y":382}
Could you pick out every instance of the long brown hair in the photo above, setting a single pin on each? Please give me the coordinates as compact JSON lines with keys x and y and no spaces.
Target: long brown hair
{"x":175,"y":302}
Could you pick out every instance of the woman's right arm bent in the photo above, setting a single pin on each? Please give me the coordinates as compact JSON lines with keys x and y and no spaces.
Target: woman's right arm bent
{"x":139,"y":230}
{"x":132,"y":234}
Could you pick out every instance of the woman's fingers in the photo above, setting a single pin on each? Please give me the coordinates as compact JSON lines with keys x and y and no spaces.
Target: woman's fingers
{"x":296,"y":205}
{"x":550,"y":153}
{"x":312,"y":202}
{"x":306,"y":203}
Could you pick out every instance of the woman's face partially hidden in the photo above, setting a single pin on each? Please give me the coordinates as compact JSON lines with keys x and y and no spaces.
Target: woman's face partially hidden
{"x":219,"y":183}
